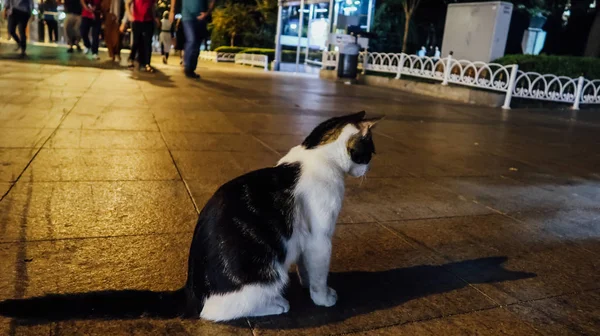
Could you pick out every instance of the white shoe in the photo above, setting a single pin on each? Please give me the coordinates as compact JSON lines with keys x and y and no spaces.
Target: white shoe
{"x":95,"y":57}
{"x":86,"y":50}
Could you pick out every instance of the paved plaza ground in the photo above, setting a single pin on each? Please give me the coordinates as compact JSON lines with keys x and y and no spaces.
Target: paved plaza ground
{"x":473,"y":221}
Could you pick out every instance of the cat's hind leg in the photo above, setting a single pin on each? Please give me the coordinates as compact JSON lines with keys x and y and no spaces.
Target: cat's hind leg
{"x":275,"y":306}
{"x":250,"y":300}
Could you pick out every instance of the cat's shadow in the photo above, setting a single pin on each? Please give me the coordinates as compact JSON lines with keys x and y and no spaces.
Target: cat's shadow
{"x":365,"y":292}
{"x":359,"y":293}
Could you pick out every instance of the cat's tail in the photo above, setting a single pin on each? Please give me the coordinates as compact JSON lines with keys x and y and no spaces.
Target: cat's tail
{"x":99,"y":305}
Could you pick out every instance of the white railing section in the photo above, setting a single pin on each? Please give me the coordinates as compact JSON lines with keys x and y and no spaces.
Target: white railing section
{"x":213,"y":56}
{"x":488,"y":76}
{"x":253,"y":59}
{"x":330,"y":59}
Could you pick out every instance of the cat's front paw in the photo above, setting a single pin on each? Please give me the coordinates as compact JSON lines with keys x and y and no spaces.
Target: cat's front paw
{"x":326,"y":298}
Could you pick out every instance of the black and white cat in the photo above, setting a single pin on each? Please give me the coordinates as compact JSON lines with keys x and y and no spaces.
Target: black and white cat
{"x":256,"y":226}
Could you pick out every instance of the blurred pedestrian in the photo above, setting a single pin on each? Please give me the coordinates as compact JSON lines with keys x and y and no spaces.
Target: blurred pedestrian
{"x":179,"y":39}
{"x":142,"y":16}
{"x":194,"y":14}
{"x":50,"y":10}
{"x":91,"y":16}
{"x":111,"y":10}
{"x":165,"y":37}
{"x":18,"y":13}
{"x":73,"y":24}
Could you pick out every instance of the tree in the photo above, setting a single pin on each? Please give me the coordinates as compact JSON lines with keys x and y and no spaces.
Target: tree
{"x":409,"y":7}
{"x":389,"y":27}
{"x":232,"y":20}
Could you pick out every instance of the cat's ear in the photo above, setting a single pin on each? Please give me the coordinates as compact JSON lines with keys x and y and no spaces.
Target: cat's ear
{"x":366,"y":125}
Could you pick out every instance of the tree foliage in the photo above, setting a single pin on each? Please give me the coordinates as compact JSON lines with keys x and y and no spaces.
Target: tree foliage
{"x":232,"y":19}
{"x":250,"y":23}
{"x":389,"y":26}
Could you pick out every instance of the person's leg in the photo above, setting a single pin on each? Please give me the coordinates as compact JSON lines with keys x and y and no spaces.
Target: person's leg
{"x":77,"y":31}
{"x":149,"y":30}
{"x":13,"y":22}
{"x":191,"y":46}
{"x":96,"y":36}
{"x":23,"y":20}
{"x":136,"y":36}
{"x":69,"y":25}
{"x":148,"y":33}
{"x":55,"y":27}
{"x":141,"y":47}
{"x":50,"y":26}
{"x":86,"y":24}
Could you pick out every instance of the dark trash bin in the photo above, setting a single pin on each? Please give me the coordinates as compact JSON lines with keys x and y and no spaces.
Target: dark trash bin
{"x":348,"y":62}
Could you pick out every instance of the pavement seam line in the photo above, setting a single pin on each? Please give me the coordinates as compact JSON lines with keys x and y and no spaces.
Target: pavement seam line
{"x":265,"y":144}
{"x":187,"y":187}
{"x":38,"y":150}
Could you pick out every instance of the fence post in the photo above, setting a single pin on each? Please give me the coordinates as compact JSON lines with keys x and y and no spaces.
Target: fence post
{"x":266,"y":63}
{"x":337,"y":59}
{"x":447,"y":70}
{"x":511,"y":86}
{"x":324,"y":60}
{"x":400,"y":66}
{"x":578,"y":93}
{"x":365,"y":61}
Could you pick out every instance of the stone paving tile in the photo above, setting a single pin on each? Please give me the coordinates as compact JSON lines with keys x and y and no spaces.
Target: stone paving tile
{"x":259,"y":123}
{"x":32,"y":117}
{"x":59,"y":210}
{"x":571,"y":186}
{"x":205,"y":122}
{"x":579,"y":226}
{"x":23,"y":137}
{"x":138,"y":327}
{"x":13,"y":161}
{"x":105,"y":139}
{"x":388,"y":199}
{"x":101,"y":164}
{"x":559,"y":267}
{"x":221,"y":166}
{"x":4,"y":186}
{"x":508,"y":195}
{"x":490,"y":322}
{"x":156,"y":263}
{"x":573,"y":314}
{"x":380,"y":281}
{"x":110,"y":121}
{"x":187,"y":141}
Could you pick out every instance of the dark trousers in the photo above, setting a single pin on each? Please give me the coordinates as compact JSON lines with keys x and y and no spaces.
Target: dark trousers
{"x":19,"y":19}
{"x":195,"y":32}
{"x":94,"y":25}
{"x":52,"y":30}
{"x":142,"y":41}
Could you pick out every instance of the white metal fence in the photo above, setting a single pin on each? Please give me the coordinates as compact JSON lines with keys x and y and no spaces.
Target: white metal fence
{"x":507,"y":79}
{"x":214,"y":56}
{"x":253,"y":59}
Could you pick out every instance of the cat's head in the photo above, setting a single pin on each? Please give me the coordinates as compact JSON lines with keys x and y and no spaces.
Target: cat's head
{"x":349,"y":137}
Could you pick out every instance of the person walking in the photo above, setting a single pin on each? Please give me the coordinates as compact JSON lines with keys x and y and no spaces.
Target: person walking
{"x":73,"y":23}
{"x":165,"y":37}
{"x":194,"y":14}
{"x":91,"y":16}
{"x":141,"y":14}
{"x":18,"y":13}
{"x":50,"y":8}
{"x":179,"y":40}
